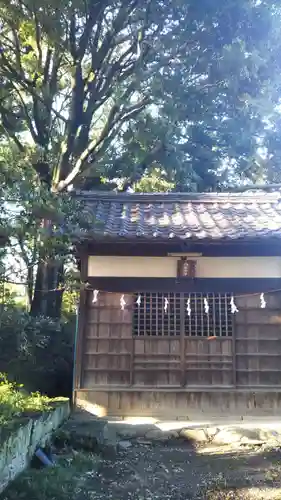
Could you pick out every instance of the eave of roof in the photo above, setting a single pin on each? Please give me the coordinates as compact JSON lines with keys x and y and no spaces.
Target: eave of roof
{"x":180,"y":197}
{"x":182,"y":216}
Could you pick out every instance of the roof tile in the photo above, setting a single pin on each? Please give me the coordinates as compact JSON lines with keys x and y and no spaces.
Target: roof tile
{"x":183,"y":215}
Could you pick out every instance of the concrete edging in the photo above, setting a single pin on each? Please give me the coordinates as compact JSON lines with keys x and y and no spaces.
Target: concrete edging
{"x":19,"y":447}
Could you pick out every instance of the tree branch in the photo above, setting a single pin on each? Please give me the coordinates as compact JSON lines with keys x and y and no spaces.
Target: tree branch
{"x":27,"y":117}
{"x":97,"y":96}
{"x":39,"y":123}
{"x":47,"y":65}
{"x":38,"y":38}
{"x":94,"y":13}
{"x":113,"y":70}
{"x":12,"y":135}
{"x":75,"y":119}
{"x":96,"y":92}
{"x":77,"y":169}
{"x":53,"y":81}
{"x":114,"y":120}
{"x":17,"y":50}
{"x":28,"y":86}
{"x":140,"y":168}
{"x":72,"y":36}
{"x":106,"y":137}
{"x":117,"y":25}
{"x":98,"y":89}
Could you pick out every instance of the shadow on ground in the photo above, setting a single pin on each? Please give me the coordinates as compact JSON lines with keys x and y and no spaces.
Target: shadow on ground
{"x":180,"y":472}
{"x":178,"y":460}
{"x":155,"y":467}
{"x":146,"y":472}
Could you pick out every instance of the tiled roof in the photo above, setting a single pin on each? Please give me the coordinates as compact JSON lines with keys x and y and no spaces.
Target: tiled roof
{"x":184,"y":216}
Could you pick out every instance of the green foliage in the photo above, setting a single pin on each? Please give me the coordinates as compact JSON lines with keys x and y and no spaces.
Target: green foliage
{"x":69,"y":304}
{"x":14,"y":402}
{"x":131,"y":93}
{"x":37,"y":351}
{"x":154,"y":181}
{"x":68,"y":480}
{"x":105,"y":89}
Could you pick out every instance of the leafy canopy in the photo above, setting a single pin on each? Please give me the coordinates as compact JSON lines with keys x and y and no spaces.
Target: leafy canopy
{"x":104,"y":90}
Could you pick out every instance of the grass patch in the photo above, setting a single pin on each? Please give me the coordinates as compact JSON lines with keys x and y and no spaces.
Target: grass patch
{"x":69,"y":479}
{"x":16,"y":403}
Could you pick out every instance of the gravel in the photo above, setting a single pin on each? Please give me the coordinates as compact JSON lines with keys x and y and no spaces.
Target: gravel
{"x":180,"y":472}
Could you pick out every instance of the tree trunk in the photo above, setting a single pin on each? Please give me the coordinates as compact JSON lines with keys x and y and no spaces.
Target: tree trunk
{"x":39,"y":301}
{"x":55,"y":282}
{"x":59,"y":294}
{"x":48,"y":290}
{"x":30,"y":279}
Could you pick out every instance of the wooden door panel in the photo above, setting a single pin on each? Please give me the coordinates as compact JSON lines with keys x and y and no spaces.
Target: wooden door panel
{"x":157,"y":361}
{"x":208,"y":362}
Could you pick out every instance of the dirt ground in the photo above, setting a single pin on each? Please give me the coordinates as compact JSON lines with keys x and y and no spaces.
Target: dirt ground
{"x":150,"y":471}
{"x":177,"y":471}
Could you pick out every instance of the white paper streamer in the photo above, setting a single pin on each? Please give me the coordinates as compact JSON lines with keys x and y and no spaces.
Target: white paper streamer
{"x":166,"y":303}
{"x":206,"y":306}
{"x":233,"y":306}
{"x":138,"y":301}
{"x":188,"y":307}
{"x":95,"y":296}
{"x":263,"y":302}
{"x":122,"y":302}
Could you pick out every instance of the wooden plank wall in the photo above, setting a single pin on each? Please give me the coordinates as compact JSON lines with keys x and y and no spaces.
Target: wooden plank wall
{"x":179,"y":404}
{"x":112,"y":356}
{"x":208,"y":361}
{"x":108,"y":342}
{"x":258,"y":341}
{"x":157,"y":361}
{"x":183,"y":361}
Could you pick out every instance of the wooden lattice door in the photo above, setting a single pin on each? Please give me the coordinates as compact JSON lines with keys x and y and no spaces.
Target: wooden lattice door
{"x":183,"y":340}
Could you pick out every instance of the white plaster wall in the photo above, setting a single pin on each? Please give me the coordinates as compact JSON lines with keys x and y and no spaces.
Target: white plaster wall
{"x":166,"y":267}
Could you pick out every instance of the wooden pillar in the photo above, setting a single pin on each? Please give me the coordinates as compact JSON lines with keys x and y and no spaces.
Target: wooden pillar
{"x":82,"y":310}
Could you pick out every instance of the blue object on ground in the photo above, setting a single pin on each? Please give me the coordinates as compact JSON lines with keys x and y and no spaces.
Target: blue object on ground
{"x":43,"y":458}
